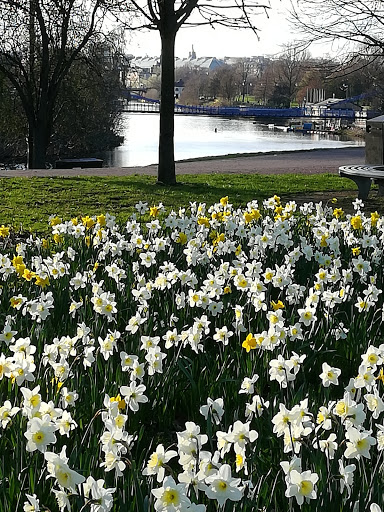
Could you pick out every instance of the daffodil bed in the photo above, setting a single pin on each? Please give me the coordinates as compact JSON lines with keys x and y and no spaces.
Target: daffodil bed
{"x":206,"y":358}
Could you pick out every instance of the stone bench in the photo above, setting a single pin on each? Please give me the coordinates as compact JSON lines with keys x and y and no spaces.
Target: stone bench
{"x":83,"y":163}
{"x":363,"y":175}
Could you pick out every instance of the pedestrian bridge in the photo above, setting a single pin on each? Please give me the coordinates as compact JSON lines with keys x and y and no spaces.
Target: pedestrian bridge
{"x":147,"y":105}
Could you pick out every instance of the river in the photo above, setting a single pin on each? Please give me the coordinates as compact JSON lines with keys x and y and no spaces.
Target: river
{"x":199,"y":136}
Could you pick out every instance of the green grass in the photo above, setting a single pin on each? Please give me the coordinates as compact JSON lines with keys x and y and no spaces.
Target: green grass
{"x":26,"y":203}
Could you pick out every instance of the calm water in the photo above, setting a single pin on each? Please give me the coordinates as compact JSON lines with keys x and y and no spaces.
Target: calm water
{"x":197,"y":136}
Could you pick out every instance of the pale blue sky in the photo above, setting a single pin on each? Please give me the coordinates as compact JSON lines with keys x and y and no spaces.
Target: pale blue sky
{"x":274,"y":33}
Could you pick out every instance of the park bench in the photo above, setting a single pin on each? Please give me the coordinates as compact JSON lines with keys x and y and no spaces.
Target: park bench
{"x":363,"y":176}
{"x":83,"y":163}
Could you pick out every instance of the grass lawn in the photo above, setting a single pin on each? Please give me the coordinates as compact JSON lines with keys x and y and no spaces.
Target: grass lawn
{"x":26,"y":203}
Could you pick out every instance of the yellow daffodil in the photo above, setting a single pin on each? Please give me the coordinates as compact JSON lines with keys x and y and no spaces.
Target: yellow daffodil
{"x":249,"y":343}
{"x":101,"y":220}
{"x":42,"y":281}
{"x":55,"y":221}
{"x":279,"y":210}
{"x":154,"y":211}
{"x":252,"y":215}
{"x":338,"y":213}
{"x":248,"y":217}
{"x":219,"y":238}
{"x":203,"y":221}
{"x":88,"y":222}
{"x":374,"y":218}
{"x":277,"y":305}
{"x":57,"y":238}
{"x":28,"y":275}
{"x":356,"y":222}
{"x":182,"y":239}
{"x":217,"y":216}
{"x":4,"y":231}
{"x":15,"y":301}
{"x":17,"y":260}
{"x":18,"y":263}
{"x":277,"y":199}
{"x":381,"y":375}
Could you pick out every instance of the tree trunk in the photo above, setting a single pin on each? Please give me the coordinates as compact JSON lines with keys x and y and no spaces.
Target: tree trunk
{"x":166,"y":170}
{"x":37,"y":145}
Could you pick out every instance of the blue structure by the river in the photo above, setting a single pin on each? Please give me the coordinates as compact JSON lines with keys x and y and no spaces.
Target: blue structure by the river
{"x":149,"y":105}
{"x":138,"y":103}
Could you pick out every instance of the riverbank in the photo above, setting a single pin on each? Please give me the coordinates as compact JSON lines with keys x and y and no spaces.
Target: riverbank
{"x":315,"y":161}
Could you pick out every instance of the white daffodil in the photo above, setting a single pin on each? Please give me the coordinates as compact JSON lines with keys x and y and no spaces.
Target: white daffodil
{"x":358,"y":444}
{"x":171,"y":497}
{"x":223,"y":487}
{"x":7,"y":412}
{"x":346,"y":473}
{"x":329,"y":375}
{"x":302,"y":486}
{"x":40,"y":434}
{"x":100,"y":498}
{"x":213,"y":407}
{"x":247,"y":386}
{"x":241,"y":435}
{"x":134,"y":395}
{"x":328,"y":446}
{"x":157,"y":461}
{"x":32,"y":505}
{"x":256,"y":407}
{"x":58,"y":468}
{"x":32,"y":401}
{"x":374,"y":403}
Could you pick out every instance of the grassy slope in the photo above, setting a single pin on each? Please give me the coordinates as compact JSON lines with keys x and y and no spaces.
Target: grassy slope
{"x":28,"y":202}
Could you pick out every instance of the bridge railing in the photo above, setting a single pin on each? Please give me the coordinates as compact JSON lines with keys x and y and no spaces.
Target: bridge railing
{"x":141,"y":104}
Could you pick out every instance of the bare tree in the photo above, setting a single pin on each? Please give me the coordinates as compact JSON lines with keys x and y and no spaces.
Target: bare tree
{"x":357,"y":23}
{"x":229,"y":80}
{"x":245,"y":75}
{"x":39,"y":41}
{"x":167,"y":17}
{"x":264,"y":86}
{"x":291,"y":69}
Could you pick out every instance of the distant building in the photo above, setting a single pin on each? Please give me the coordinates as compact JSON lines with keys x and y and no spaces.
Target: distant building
{"x":146,"y":66}
{"x":255,"y":65}
{"x":204,"y":63}
{"x":179,"y":87}
{"x":192,"y":54}
{"x":315,"y":96}
{"x":336,"y":103}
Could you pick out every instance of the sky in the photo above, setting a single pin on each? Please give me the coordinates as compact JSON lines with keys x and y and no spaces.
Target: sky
{"x":274,"y":32}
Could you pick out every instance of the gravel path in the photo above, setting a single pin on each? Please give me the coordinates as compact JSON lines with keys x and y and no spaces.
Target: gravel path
{"x":295,"y":162}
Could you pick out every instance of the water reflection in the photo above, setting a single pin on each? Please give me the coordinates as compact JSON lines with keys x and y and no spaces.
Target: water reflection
{"x":197,"y":136}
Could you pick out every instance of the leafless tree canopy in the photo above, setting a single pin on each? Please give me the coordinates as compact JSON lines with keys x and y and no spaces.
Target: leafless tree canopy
{"x":52,"y":32}
{"x":357,"y":23}
{"x":227,"y":13}
{"x":39,"y":41}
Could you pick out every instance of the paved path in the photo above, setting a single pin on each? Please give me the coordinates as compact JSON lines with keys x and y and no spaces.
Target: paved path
{"x":295,"y":162}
